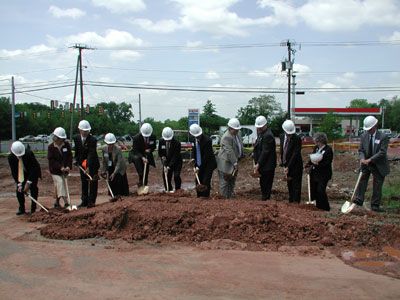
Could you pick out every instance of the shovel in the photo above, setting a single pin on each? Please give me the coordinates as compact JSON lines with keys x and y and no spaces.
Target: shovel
{"x":144,"y":189}
{"x":113,"y":198}
{"x":309,"y":190}
{"x":87,"y":174}
{"x":70,"y":206}
{"x":200,"y":187}
{"x":348,"y":206}
{"x":37,"y":202}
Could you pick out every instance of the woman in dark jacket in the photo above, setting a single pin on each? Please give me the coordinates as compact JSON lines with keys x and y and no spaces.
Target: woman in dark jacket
{"x":320,"y":169}
{"x":59,"y":155}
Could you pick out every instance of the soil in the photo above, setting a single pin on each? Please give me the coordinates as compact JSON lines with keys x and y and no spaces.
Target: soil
{"x":362,"y":239}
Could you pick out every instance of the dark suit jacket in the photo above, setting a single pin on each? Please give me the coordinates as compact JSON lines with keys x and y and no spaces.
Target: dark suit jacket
{"x":379,"y":154}
{"x":323,"y":171}
{"x":294,"y":161}
{"x":264,"y":152}
{"x":208,"y":161}
{"x":32,"y":171}
{"x":174,"y":156}
{"x":87,"y":151}
{"x":57,"y":159}
{"x":139,"y":149}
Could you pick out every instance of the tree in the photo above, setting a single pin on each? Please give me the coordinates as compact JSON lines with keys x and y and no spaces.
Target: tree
{"x":209,"y":109}
{"x":5,"y":117}
{"x":361,"y":103}
{"x":331,"y":126}
{"x":264,"y":105}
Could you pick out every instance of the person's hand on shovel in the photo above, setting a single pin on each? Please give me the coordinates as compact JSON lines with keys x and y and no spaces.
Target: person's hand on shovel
{"x":27,"y":186}
{"x":144,"y":159}
{"x":111,"y":177}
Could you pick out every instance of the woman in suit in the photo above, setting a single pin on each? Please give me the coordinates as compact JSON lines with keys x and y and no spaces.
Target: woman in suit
{"x":59,"y":155}
{"x":320,"y":169}
{"x":114,"y":166}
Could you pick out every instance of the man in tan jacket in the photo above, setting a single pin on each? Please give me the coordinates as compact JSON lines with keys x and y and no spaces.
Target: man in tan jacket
{"x":228,"y":156}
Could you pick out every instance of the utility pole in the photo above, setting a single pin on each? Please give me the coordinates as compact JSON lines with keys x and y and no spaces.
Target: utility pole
{"x":383,"y":116}
{"x":289,"y":67}
{"x":13,"y":130}
{"x":79,"y":68}
{"x":293,"y":99}
{"x":140,"y":112}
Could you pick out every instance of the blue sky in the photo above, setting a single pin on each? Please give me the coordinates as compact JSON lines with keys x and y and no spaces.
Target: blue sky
{"x":167,"y":42}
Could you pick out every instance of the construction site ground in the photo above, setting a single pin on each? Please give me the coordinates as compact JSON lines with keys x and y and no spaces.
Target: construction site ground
{"x":176,"y":246}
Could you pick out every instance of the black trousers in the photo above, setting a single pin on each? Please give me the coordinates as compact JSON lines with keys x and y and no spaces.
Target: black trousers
{"x":377,"y":183}
{"x":266,"y":180}
{"x":33,"y":190}
{"x":175,"y":171}
{"x":139,"y":165}
{"x":205,"y":176}
{"x":294,"y":188}
{"x":318,"y":193}
{"x":89,"y":189}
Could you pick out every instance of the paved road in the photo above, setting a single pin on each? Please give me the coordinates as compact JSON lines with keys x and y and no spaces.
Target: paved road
{"x":36,"y":268}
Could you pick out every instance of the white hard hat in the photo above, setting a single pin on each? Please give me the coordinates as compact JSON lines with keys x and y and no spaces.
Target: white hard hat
{"x":167,"y":133}
{"x":110,"y":139}
{"x":234,"y":123}
{"x":316,"y":157}
{"x":195,"y":130}
{"x":261,"y":121}
{"x":17,"y":148}
{"x":60,"y":133}
{"x":146,"y":130}
{"x":84,"y":125}
{"x":370,"y":122}
{"x":288,"y":127}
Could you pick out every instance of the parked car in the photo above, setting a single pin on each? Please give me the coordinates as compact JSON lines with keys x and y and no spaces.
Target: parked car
{"x":27,"y":138}
{"x":42,"y":138}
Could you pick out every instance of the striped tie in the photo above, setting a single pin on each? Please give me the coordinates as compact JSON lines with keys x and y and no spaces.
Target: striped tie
{"x":21,"y":177}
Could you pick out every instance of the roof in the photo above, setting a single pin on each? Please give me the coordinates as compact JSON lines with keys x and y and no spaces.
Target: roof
{"x":340,"y":111}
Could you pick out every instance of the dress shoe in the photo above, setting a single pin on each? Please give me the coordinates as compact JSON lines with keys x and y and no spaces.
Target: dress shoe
{"x":377,"y":209}
{"x":358,"y":202}
{"x":82,"y":205}
{"x":90,"y":205}
{"x":20,"y":212}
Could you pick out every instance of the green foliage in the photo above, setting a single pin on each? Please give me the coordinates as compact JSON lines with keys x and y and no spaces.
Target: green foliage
{"x":209,"y":121}
{"x":5,"y":117}
{"x":276,"y":123}
{"x":392,"y":113}
{"x":264,"y":105}
{"x":331,"y":126}
{"x":209,"y":109}
{"x":361,"y":103}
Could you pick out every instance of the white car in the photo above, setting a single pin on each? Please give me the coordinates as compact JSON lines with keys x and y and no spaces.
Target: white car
{"x":42,"y":138}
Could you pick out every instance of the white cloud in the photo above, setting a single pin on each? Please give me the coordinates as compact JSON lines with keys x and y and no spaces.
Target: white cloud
{"x":212,"y":75}
{"x":162,"y":26}
{"x":329,"y":85}
{"x":344,"y":15}
{"x":121,"y":6}
{"x":394,"y":37}
{"x":346,"y":78}
{"x":112,"y":39}
{"x":192,"y":46}
{"x":276,"y":70}
{"x":73,"y":13}
{"x":127,"y":55}
{"x":34,"y":50}
{"x":18,"y":79}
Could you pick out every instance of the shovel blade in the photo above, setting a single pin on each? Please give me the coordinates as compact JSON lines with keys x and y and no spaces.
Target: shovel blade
{"x":143,"y":190}
{"x":347,"y":207}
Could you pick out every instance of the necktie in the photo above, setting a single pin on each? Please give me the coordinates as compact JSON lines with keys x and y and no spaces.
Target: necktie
{"x":238,"y":145}
{"x":370,"y":146}
{"x":285,"y":147}
{"x":167,"y":147}
{"x":198,"y":154}
{"x":21,"y":177}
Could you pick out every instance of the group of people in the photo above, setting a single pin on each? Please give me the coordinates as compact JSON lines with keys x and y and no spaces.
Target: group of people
{"x":26,"y":170}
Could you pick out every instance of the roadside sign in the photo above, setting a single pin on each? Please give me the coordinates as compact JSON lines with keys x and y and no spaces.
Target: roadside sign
{"x":193,"y":116}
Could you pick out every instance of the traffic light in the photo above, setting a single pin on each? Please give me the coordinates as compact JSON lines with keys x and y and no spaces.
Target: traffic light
{"x":87,"y":110}
{"x":48,"y":115}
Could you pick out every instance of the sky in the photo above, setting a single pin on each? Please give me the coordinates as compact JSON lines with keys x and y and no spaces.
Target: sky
{"x":342,"y":50}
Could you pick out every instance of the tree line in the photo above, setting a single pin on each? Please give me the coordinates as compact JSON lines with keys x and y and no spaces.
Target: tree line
{"x":36,"y":118}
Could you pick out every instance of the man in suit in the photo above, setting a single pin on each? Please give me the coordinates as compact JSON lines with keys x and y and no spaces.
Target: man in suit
{"x":25,"y":170}
{"x":373,"y":159}
{"x":264,"y":155}
{"x":291,"y":160}
{"x":228,"y":157}
{"x":169,"y":150}
{"x":320,"y":169}
{"x":204,"y":158}
{"x":87,"y":158}
{"x":143,"y":145}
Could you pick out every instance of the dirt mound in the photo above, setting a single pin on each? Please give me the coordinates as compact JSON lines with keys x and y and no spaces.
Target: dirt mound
{"x":259,"y":225}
